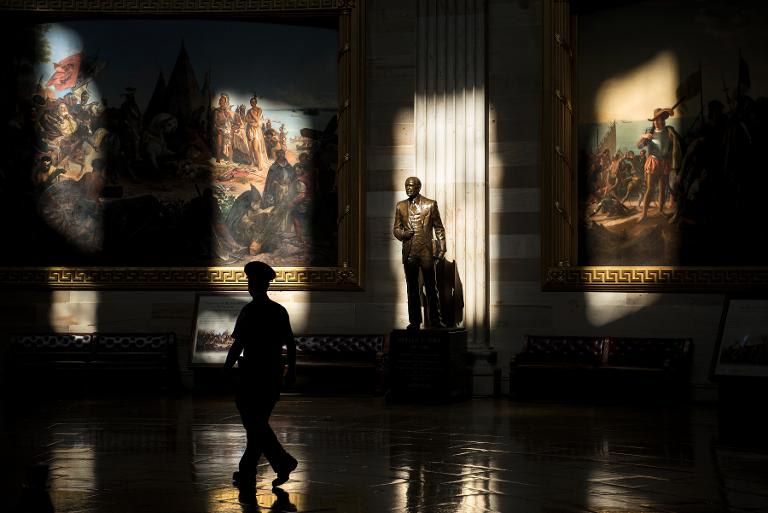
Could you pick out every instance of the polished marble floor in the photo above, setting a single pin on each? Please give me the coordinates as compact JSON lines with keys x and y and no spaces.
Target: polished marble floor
{"x":362,"y":455}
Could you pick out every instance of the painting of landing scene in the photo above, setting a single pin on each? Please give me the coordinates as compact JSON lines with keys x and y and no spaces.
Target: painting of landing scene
{"x":743,"y":345}
{"x":672,"y":133}
{"x":169,"y":143}
{"x":215,"y":319}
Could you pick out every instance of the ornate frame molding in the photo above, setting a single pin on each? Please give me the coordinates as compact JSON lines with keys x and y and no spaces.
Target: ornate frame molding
{"x":559,"y":217}
{"x":349,"y":272}
{"x":175,"y":6}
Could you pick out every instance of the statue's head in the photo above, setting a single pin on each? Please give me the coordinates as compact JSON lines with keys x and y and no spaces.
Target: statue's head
{"x":412,"y":186}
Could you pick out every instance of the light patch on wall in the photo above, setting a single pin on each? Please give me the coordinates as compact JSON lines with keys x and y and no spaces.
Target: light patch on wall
{"x":73,"y":316}
{"x":71,"y":204}
{"x":321,"y":312}
{"x":603,"y":308}
{"x":633,"y":95}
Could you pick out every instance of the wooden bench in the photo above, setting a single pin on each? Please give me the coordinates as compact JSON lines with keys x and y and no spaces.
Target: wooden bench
{"x":602,"y":367}
{"x":88,"y":362}
{"x":340,"y":363}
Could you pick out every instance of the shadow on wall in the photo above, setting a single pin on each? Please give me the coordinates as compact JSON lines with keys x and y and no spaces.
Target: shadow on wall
{"x":29,"y":241}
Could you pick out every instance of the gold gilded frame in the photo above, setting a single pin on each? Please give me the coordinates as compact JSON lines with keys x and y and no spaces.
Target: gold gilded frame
{"x":348,"y":274}
{"x":559,"y":216}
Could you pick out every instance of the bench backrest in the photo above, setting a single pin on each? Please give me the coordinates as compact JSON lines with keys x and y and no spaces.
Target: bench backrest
{"x":351,"y":344}
{"x":656,"y":353}
{"x":70,"y":346}
{"x":562,"y":349}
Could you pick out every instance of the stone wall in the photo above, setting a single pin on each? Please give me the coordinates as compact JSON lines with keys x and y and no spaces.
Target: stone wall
{"x":516,"y":304}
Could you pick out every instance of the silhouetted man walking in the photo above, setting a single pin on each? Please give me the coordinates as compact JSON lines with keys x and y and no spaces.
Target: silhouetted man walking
{"x":261,"y":331}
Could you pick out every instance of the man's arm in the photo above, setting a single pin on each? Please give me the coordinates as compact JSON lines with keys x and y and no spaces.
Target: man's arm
{"x":233,"y":354}
{"x":401,"y":231}
{"x":290,"y":348}
{"x":437,"y":225}
{"x":643,"y":141}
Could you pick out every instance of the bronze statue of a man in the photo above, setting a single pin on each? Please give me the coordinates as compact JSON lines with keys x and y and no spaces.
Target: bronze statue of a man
{"x":415,"y":220}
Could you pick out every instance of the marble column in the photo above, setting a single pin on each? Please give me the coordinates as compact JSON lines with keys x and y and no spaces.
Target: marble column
{"x":451,"y":141}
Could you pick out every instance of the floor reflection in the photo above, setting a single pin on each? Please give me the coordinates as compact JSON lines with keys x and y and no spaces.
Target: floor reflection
{"x":359,"y":455}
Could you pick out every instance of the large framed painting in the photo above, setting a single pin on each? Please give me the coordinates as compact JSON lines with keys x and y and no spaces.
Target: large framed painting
{"x":166,"y":144}
{"x":655,"y":120}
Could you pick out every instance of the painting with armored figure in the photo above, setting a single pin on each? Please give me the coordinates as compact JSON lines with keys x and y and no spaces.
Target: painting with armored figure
{"x":672,"y":105}
{"x":170,"y":142}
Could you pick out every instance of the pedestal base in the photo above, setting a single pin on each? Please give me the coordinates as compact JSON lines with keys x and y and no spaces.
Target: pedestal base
{"x":428,"y":365}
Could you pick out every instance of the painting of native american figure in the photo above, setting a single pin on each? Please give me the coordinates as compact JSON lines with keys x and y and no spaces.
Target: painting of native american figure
{"x":673,"y":121}
{"x":170,"y":143}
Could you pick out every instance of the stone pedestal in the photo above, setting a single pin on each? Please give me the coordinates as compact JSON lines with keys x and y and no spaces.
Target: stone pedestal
{"x":428,"y":365}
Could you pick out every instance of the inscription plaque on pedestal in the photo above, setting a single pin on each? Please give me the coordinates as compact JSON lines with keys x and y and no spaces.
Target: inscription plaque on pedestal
{"x":428,"y":365}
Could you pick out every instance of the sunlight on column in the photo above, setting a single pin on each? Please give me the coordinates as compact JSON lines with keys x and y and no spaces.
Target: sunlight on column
{"x":450,"y":159}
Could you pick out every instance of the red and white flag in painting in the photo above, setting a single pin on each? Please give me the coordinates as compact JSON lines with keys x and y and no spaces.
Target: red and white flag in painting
{"x":65,"y":72}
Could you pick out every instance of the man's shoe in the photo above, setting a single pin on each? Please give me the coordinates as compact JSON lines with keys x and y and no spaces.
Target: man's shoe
{"x":283,"y":474}
{"x":413,"y":327}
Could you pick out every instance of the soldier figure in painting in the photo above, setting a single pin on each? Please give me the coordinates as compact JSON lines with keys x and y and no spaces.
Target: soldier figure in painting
{"x":664,"y":155}
{"x":415,"y":220}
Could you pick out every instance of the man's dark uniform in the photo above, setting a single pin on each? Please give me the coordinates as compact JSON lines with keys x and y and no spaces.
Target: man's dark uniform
{"x":421,"y":216}
{"x":261,"y":330}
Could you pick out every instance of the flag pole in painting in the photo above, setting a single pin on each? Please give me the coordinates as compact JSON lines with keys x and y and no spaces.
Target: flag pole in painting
{"x":690,"y":87}
{"x":701,"y":93}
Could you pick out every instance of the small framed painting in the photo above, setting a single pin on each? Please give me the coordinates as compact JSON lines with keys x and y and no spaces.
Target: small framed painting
{"x":215,"y":316}
{"x":742,"y":348}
